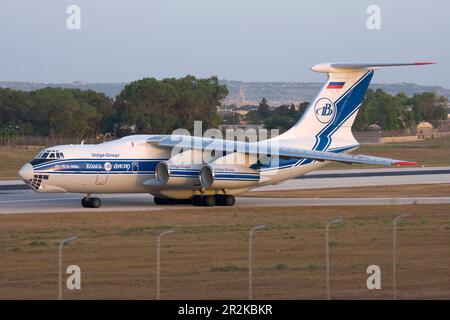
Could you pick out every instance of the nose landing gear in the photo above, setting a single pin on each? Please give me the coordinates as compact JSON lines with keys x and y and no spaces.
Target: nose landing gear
{"x":91,"y":202}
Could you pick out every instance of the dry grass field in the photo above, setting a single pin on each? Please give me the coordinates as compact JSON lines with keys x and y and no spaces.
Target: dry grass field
{"x":11,"y":160}
{"x":207,"y":256}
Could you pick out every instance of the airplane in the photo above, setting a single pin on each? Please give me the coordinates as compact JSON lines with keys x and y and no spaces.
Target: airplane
{"x":148,"y":163}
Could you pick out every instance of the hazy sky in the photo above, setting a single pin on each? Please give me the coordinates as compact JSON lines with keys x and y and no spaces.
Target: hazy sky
{"x":248,"y":40}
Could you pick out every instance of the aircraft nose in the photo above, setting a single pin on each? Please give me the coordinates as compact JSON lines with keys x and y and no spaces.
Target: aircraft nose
{"x":26,"y":172}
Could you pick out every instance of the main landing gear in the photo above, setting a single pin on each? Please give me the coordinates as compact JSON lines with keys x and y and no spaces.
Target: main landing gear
{"x":206,"y":201}
{"x":217,"y":200}
{"x":91,"y":202}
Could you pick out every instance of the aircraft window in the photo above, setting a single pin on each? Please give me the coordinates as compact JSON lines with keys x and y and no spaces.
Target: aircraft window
{"x":49,"y":154}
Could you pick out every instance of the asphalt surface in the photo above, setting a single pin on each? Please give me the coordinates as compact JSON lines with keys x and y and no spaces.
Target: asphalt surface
{"x":15,"y":197}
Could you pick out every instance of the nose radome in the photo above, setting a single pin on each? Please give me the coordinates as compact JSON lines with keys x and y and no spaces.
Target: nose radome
{"x":26,"y":172}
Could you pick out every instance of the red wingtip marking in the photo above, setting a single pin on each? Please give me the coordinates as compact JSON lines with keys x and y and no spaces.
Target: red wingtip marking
{"x":405,"y":163}
{"x":423,"y":63}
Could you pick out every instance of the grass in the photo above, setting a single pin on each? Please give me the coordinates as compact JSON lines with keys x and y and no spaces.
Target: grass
{"x":12,"y":159}
{"x":229,"y":269}
{"x":206,"y":257}
{"x":313,"y":267}
{"x":37,"y":243}
{"x":281,"y":266}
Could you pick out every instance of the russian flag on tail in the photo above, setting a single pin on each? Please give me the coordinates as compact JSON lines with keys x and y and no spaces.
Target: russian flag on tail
{"x":335,"y":85}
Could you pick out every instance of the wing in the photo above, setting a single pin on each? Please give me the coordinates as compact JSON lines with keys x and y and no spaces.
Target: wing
{"x":268,"y":148}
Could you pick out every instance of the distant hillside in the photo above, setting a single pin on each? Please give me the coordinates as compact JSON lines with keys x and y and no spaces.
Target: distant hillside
{"x":109,"y":89}
{"x":243,"y":92}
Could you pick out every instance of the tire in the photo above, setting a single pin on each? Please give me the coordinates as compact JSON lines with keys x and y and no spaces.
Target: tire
{"x":219,"y":199}
{"x":163,"y":201}
{"x":209,"y":201}
{"x":157,"y":200}
{"x":85,"y":203}
{"x":197,"y":200}
{"x":229,"y":200}
{"x":95,"y":203}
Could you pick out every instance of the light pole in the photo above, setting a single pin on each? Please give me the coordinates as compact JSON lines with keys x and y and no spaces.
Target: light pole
{"x":158,"y":259}
{"x":327,"y":253}
{"x":250,"y":258}
{"x":394,"y":254}
{"x":61,"y":245}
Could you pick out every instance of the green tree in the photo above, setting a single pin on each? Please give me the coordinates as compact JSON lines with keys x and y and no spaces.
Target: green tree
{"x":264,"y":108}
{"x":428,"y":107}
{"x":160,"y":106}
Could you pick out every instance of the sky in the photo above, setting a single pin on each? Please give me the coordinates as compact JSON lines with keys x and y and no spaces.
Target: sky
{"x":247,"y":40}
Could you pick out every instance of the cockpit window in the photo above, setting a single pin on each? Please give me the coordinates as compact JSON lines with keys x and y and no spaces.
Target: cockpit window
{"x":50,"y":154}
{"x":46,"y":156}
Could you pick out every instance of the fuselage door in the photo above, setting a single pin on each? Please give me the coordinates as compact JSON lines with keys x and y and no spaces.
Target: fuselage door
{"x":102,"y":178}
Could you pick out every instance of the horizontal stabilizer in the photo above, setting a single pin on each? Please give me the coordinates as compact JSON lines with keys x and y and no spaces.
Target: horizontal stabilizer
{"x":346,"y":67}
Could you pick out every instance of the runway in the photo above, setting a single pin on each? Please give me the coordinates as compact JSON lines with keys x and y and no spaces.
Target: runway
{"x":23,"y":203}
{"x":16,"y":198}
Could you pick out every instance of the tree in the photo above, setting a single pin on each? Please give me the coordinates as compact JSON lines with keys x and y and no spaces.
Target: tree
{"x":264,"y":108}
{"x":160,"y":106}
{"x":383,"y":109}
{"x":427,"y":107}
{"x":54,"y":111}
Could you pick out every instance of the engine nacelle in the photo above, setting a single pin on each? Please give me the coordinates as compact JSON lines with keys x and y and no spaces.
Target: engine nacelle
{"x":224,"y":176}
{"x":170,"y":174}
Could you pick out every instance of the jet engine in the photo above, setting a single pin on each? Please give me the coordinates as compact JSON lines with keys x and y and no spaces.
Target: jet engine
{"x":170,"y":174}
{"x":224,"y":176}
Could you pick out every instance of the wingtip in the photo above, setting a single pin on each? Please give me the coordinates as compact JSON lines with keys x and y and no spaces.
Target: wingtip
{"x":405,"y":163}
{"x":423,"y":63}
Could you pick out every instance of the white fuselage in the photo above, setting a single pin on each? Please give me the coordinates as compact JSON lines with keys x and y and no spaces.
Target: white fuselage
{"x":127,"y":165}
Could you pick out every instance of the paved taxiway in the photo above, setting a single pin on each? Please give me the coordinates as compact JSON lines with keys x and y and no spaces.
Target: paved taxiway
{"x":14,"y":198}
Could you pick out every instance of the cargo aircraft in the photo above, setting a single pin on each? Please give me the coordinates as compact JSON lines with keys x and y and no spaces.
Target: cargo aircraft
{"x":149,"y":163}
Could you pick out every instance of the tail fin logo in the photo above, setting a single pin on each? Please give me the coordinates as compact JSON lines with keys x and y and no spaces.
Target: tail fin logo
{"x":324,"y":110}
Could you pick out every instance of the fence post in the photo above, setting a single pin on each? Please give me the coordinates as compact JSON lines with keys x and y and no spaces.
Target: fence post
{"x":158,"y":260}
{"x":250,"y":259}
{"x":327,"y":253}
{"x":394,"y":254}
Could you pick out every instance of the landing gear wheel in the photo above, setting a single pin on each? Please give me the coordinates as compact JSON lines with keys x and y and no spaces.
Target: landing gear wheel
{"x":160,"y":201}
{"x":225,"y":200}
{"x":229,"y":200}
{"x":197,"y":200}
{"x":95,"y":203}
{"x":209,"y":201}
{"x":85,"y":202}
{"x":157,"y":200}
{"x":88,"y":202}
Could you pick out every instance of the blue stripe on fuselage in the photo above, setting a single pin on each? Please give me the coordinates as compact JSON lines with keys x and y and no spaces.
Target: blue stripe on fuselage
{"x":95,"y":166}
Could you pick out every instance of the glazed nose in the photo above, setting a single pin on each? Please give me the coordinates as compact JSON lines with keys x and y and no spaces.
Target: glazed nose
{"x":26,"y":172}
